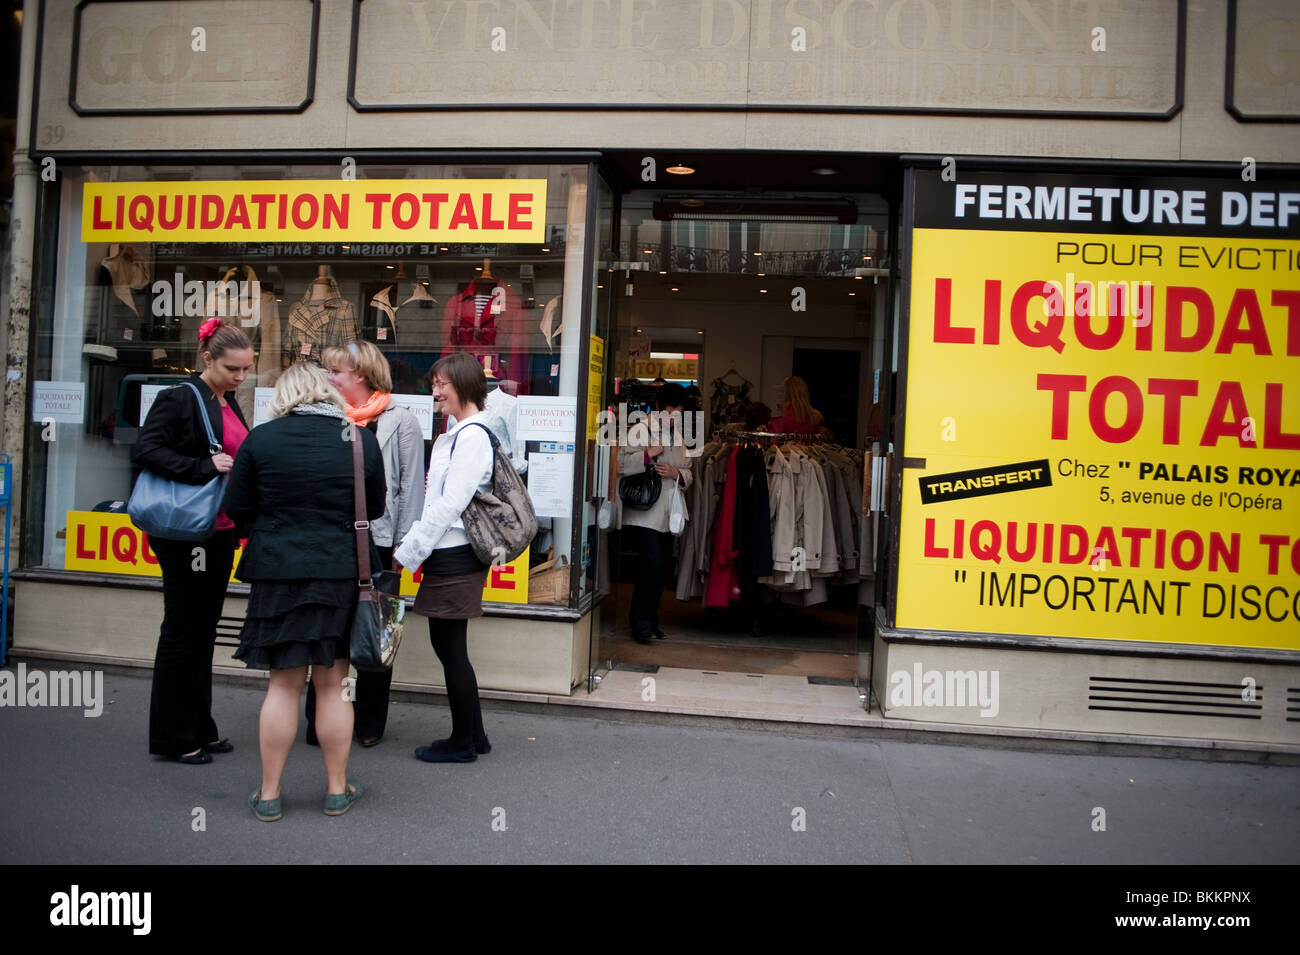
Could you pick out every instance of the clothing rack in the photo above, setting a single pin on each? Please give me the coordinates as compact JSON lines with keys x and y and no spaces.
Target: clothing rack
{"x":790,"y":437}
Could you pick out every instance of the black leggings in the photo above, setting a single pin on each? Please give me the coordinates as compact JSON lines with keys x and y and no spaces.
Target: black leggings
{"x":448,"y":639}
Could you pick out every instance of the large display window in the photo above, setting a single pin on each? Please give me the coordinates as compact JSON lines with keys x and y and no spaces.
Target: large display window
{"x":422,"y":261}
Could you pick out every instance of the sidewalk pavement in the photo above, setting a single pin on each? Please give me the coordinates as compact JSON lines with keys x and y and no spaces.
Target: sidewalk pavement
{"x":570,"y":788}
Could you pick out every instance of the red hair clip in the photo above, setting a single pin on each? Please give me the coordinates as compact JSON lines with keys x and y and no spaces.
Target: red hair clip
{"x":208,"y":328}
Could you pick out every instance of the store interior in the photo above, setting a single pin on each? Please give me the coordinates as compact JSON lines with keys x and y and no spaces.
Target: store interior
{"x":730,"y":296}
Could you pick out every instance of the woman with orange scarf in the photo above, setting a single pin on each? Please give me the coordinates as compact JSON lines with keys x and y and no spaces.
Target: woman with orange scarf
{"x":360,"y":372}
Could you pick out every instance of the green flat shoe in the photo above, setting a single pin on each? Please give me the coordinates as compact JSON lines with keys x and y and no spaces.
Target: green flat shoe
{"x":268,"y":810}
{"x":336,"y":804}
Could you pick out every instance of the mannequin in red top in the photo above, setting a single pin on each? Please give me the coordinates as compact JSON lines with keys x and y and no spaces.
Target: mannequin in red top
{"x":487,"y":321}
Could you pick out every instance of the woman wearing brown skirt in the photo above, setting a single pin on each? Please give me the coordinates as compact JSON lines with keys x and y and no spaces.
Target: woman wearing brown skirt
{"x":451,"y":589}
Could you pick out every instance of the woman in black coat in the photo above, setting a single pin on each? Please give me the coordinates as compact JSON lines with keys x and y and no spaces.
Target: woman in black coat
{"x":173,"y":443}
{"x":292,"y":485}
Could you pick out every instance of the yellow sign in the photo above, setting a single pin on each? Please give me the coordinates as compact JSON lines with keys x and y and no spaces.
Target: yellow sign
{"x":331,"y":210}
{"x":506,"y":583}
{"x":684,"y":369}
{"x":1110,"y":450}
{"x":108,"y":543}
{"x":595,"y":385}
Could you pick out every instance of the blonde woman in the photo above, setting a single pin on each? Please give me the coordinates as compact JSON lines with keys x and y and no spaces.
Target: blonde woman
{"x":292,"y":485}
{"x":360,"y":372}
{"x":798,"y":416}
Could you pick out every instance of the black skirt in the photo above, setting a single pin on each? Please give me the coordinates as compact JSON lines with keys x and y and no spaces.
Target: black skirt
{"x":297,"y":623}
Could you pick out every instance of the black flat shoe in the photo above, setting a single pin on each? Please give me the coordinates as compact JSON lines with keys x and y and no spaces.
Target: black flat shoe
{"x":440,"y":753}
{"x":194,"y":759}
{"x":643,"y":637}
{"x":658,"y":634}
{"x":370,"y":741}
{"x":220,"y":746}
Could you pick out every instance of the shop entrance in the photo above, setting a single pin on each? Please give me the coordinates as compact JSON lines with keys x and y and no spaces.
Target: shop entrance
{"x":769,"y":328}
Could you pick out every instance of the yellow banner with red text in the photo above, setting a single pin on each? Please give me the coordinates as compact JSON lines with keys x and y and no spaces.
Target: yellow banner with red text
{"x":108,"y":543}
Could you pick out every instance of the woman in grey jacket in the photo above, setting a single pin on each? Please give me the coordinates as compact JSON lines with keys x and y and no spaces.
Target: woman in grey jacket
{"x":360,"y":372}
{"x":647,"y":528}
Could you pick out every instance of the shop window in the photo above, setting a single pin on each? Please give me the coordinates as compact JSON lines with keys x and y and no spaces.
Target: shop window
{"x":122,"y":312}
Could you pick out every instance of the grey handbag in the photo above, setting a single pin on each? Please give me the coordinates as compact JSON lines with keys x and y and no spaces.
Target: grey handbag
{"x":173,"y":510}
{"x":500,"y":523}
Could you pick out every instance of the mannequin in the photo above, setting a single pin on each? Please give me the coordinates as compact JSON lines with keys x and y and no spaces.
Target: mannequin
{"x":320,"y":319}
{"x":382,"y":323}
{"x":261,"y":324}
{"x":486,"y":319}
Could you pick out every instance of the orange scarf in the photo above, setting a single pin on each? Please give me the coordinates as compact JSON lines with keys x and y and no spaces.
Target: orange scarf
{"x":372,"y":409}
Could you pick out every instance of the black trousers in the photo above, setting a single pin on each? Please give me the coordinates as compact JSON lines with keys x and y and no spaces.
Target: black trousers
{"x":370,"y":708}
{"x":180,"y":703}
{"x":655,"y":549}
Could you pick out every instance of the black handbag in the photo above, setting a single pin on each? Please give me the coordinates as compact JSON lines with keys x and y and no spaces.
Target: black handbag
{"x":640,"y":490}
{"x":377,"y":622}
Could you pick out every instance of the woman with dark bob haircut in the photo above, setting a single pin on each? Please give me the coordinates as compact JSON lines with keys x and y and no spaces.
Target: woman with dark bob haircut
{"x":451,"y":591}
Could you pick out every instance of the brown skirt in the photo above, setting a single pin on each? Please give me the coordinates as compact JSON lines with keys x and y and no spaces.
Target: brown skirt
{"x":452,"y":597}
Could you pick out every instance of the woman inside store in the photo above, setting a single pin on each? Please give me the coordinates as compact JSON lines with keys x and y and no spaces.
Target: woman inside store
{"x":292,"y":485}
{"x":361,"y":374}
{"x":174,"y":443}
{"x":451,"y":588}
{"x":646,"y":529}
{"x":798,"y":416}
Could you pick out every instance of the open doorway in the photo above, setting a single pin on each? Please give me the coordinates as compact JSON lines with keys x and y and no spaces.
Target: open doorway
{"x":743,"y":310}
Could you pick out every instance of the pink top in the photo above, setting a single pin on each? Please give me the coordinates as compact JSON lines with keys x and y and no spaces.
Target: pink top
{"x":233,"y":435}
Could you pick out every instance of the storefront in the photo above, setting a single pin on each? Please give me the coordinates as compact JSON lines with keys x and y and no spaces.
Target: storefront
{"x":727,"y":197}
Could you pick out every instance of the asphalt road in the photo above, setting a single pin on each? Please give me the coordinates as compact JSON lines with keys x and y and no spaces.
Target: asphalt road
{"x":572,"y":789}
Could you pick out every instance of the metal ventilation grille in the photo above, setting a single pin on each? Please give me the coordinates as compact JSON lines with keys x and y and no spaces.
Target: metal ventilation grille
{"x":1177,"y":698}
{"x":1293,"y":704}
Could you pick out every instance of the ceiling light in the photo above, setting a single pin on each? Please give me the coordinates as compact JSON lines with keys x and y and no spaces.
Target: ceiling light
{"x":700,"y":332}
{"x":648,"y":251}
{"x":758,"y":253}
{"x":763,"y":290}
{"x":638,"y":331}
{"x":852,"y":294}
{"x":545,"y":249}
{"x":761,"y":274}
{"x":662,"y":272}
{"x":679,"y":169}
{"x":825,"y":171}
{"x":675,"y":289}
{"x":388,"y":266}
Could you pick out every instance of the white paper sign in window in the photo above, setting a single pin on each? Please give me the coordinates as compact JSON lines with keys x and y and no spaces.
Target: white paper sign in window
{"x":422,"y":407}
{"x":546,"y":418}
{"x":63,"y":402}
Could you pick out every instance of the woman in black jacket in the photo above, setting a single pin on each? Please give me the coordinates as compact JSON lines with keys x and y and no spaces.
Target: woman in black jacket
{"x":292,"y":484}
{"x":174,"y":443}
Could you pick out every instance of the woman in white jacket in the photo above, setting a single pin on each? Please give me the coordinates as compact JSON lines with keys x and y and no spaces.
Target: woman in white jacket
{"x":646,"y":529}
{"x":451,"y":589}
